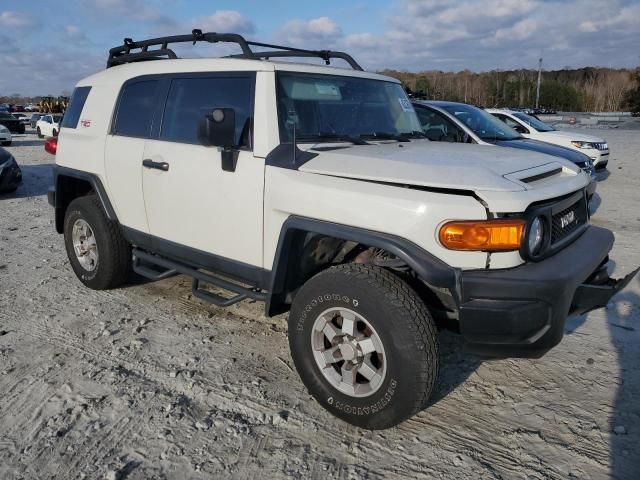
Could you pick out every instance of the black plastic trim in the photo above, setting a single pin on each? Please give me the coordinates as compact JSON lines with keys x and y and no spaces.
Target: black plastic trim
{"x":288,"y":155}
{"x":428,"y":268}
{"x":61,"y":198}
{"x":199,"y":259}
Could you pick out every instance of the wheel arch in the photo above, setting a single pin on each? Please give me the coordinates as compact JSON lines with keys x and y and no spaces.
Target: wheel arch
{"x":69,"y":184}
{"x":286,"y":278}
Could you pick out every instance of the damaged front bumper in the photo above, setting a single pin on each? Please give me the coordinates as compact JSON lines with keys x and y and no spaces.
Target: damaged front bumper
{"x":521,"y":312}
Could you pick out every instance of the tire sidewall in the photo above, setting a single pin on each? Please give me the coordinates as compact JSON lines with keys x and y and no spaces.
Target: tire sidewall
{"x":387,"y":405}
{"x":81,"y":209}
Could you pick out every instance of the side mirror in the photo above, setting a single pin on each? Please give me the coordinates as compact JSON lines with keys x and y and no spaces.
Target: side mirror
{"x":218,"y":129}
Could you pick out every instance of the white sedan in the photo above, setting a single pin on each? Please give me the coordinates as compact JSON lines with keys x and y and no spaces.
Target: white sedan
{"x":48,"y":125}
{"x":530,"y":127}
{"x":5,"y":136}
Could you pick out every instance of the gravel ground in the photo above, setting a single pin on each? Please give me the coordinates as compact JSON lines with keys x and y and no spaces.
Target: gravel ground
{"x":147,"y":382}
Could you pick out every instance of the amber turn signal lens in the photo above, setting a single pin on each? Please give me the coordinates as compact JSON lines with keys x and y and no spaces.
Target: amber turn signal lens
{"x":487,"y":236}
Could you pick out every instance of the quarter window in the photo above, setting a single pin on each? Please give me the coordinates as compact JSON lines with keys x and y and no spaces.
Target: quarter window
{"x":190,"y":99}
{"x":73,"y":112}
{"x":135,"y":109}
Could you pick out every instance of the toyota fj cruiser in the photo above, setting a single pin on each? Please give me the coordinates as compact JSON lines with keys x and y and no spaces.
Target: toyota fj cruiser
{"x":313,"y":189}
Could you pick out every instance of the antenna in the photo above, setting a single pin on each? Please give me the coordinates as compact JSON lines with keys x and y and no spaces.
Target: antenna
{"x":292,"y":120}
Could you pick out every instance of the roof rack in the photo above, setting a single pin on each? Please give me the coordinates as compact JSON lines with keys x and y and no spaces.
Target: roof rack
{"x":125,"y":53}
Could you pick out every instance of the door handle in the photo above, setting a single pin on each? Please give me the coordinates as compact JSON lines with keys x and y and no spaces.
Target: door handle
{"x":164,"y":166}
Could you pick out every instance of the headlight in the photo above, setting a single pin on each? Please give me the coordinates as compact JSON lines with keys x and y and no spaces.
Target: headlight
{"x":536,"y":235}
{"x":583,"y":145}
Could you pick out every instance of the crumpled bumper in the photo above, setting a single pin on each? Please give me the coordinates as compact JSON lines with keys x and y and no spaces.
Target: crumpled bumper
{"x":521,"y":312}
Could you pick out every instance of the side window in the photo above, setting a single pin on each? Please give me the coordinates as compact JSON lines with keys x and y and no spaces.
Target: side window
{"x":76,"y":104}
{"x":437,"y":127}
{"x":511,"y":122}
{"x":135,"y":109}
{"x":190,"y":99}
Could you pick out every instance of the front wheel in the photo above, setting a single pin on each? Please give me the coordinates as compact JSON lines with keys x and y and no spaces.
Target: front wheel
{"x":55,"y":132}
{"x":6,"y":144}
{"x":39,"y":132}
{"x":364,"y":345}
{"x":97,"y":251}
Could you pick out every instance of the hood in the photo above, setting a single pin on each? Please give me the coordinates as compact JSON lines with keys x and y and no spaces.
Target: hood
{"x":436,"y":165}
{"x":569,"y":135}
{"x":548,"y":148}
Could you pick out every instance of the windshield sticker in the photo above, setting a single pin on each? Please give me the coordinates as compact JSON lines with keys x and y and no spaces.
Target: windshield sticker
{"x":327,"y":89}
{"x":405,"y":104}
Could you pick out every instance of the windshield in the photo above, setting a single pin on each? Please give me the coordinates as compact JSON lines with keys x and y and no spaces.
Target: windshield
{"x":7,"y":116}
{"x":56,"y":118}
{"x":483,"y":124}
{"x":534,"y":122}
{"x":340,"y":108}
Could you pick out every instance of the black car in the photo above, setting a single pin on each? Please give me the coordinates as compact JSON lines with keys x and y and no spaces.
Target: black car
{"x":34,"y":119}
{"x":459,"y":122}
{"x":12,"y":123}
{"x":10,"y":173}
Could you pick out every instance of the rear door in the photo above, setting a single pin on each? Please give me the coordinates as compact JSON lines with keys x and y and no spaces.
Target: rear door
{"x":190,"y":200}
{"x":124,"y":149}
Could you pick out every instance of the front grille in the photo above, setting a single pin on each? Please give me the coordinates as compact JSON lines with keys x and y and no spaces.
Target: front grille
{"x":601,"y":146}
{"x":567,"y":221}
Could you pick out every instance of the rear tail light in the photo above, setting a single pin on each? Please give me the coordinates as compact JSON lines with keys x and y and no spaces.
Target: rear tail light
{"x":51,"y":145}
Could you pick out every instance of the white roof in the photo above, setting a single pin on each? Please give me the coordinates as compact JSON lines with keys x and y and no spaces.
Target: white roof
{"x":121,"y":73}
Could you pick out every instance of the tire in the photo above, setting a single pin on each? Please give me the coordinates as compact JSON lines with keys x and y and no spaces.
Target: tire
{"x":39,"y":132}
{"x":112,"y":262}
{"x":6,"y":144}
{"x":55,"y":133}
{"x":407,"y":335}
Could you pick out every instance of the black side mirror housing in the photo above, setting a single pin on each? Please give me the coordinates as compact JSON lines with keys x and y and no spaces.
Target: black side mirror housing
{"x":218,"y":129}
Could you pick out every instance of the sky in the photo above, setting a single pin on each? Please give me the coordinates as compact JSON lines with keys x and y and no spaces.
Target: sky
{"x":46,"y":47}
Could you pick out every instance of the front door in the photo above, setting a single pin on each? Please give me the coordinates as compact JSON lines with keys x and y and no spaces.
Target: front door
{"x":190,"y":200}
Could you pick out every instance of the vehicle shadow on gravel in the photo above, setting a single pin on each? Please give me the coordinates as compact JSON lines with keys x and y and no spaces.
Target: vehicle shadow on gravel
{"x":456,"y":365}
{"x":36,"y":180}
{"x":26,"y":143}
{"x":622,"y":317}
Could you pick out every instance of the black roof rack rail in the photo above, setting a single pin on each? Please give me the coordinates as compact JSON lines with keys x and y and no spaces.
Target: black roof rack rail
{"x":125,"y":53}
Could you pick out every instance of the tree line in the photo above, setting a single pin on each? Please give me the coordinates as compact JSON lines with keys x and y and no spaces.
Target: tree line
{"x":586,"y":89}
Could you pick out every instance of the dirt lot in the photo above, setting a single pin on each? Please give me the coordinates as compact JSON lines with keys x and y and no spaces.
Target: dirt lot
{"x":147,"y":382}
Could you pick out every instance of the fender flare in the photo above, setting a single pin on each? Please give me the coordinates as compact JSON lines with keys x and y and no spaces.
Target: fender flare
{"x":60,"y":195}
{"x":429,"y":268}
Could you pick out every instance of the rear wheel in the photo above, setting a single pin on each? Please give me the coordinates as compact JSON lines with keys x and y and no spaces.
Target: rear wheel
{"x":97,"y":251}
{"x":364,"y":345}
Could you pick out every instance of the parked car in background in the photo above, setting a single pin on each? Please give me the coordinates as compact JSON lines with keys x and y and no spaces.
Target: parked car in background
{"x":31,"y":108}
{"x":22,"y":117}
{"x":48,"y":125}
{"x":530,"y":127}
{"x":5,"y":136}
{"x":4,"y":107}
{"x":459,"y":122}
{"x":34,"y":119}
{"x":17,"y":108}
{"x":10,"y":173}
{"x":12,"y":123}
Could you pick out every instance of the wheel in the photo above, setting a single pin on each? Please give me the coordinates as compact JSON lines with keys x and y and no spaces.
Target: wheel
{"x":6,"y":144}
{"x":364,"y":344}
{"x":97,"y":251}
{"x":39,"y":132}
{"x":55,"y":133}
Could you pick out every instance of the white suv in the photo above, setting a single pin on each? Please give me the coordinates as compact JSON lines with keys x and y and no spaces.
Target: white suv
{"x":530,"y":127}
{"x":313,"y":189}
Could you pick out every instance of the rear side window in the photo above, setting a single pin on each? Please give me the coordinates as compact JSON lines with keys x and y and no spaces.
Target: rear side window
{"x":74,"y":110}
{"x":190,"y":99}
{"x":135,"y":109}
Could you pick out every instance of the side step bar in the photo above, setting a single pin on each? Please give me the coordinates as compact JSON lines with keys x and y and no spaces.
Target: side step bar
{"x":173,"y":268}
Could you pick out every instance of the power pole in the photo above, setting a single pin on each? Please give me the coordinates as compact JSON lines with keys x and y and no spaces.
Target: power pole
{"x":538,"y":87}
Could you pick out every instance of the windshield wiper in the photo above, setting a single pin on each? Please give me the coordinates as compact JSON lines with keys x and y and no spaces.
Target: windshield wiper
{"x":332,"y":137}
{"x":386,"y":136}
